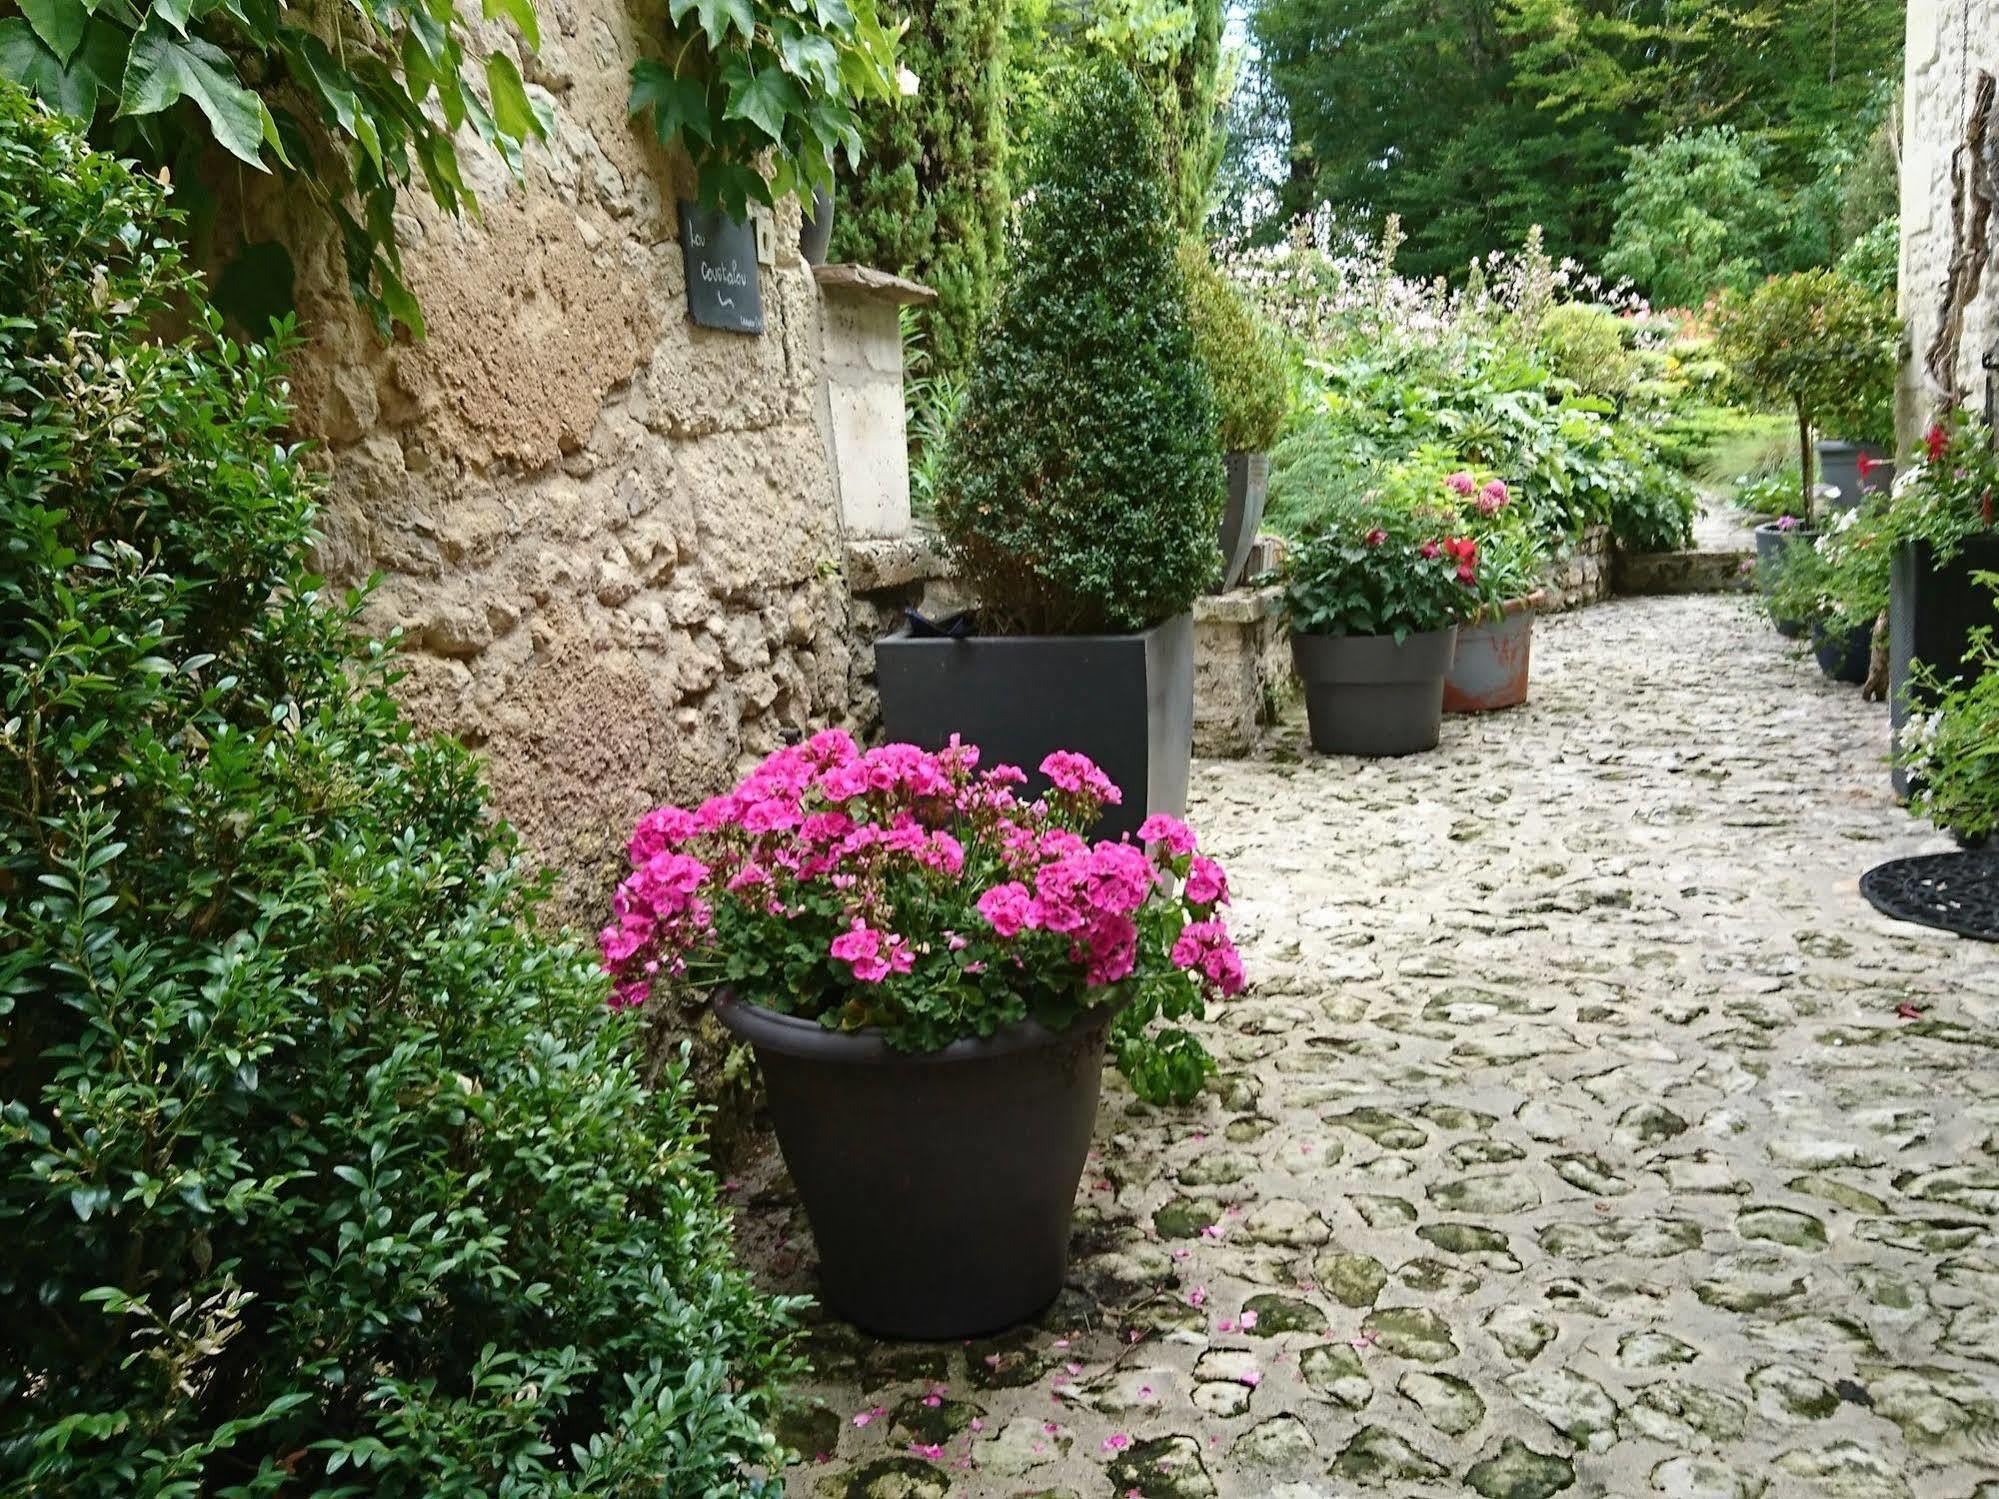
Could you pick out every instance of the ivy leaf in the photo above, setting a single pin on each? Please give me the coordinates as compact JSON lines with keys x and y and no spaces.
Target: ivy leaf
{"x":163,"y":69}
{"x":59,"y":23}
{"x":764,"y":99}
{"x":75,"y":89}
{"x":809,"y":55}
{"x":679,"y":105}
{"x":521,"y":13}
{"x":511,"y":110}
{"x":716,"y":17}
{"x":175,"y":13}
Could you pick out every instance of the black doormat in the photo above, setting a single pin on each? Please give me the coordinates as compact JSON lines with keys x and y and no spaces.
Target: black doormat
{"x":1958,"y":892}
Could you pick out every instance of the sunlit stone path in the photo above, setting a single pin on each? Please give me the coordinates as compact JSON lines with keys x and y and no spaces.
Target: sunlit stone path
{"x":1584,"y":1132}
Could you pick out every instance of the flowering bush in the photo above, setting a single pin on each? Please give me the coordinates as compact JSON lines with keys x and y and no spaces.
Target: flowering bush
{"x":1382,"y":568}
{"x":917,"y":895}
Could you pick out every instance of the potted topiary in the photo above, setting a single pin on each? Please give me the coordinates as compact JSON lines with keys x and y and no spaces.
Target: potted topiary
{"x":1082,"y":483}
{"x":1374,"y":601}
{"x":1810,"y":340}
{"x":927,"y":969}
{"x":1489,"y":668}
{"x":1245,"y":364}
{"x":1941,"y":526}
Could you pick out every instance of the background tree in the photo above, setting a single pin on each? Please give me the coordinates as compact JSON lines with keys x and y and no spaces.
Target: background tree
{"x":1475,"y":118}
{"x":930,"y":195}
{"x":1694,"y":217}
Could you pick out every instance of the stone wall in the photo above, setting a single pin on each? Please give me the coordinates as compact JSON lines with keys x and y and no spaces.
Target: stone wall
{"x":1581,"y":575}
{"x":1949,"y":42}
{"x":611,"y":537}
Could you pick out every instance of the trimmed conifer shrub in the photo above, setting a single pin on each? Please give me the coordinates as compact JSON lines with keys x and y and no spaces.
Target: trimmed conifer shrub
{"x":1242,"y":352}
{"x":928,"y":199}
{"x":1083,"y":481}
{"x":321,"y":1172}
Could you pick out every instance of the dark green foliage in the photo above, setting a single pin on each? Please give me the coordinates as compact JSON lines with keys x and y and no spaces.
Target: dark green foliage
{"x":1243,"y":355}
{"x":1083,"y":483}
{"x":1693,"y":217}
{"x":929,"y":198}
{"x":1473,"y":119}
{"x":1378,"y":567}
{"x":351,"y":102}
{"x":320,"y":1171}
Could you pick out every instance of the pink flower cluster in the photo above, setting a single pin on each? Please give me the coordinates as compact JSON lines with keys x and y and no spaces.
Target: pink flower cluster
{"x":901,"y":865}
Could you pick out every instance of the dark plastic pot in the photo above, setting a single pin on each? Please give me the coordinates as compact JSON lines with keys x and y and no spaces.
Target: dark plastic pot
{"x":815,"y":229}
{"x":939,"y":1186}
{"x":1771,"y":540}
{"x":1839,"y":467}
{"x":1249,"y":485}
{"x":1126,"y":701}
{"x":1932,"y":611}
{"x":1489,"y":669}
{"x":1844,"y":657}
{"x":1367,"y":695}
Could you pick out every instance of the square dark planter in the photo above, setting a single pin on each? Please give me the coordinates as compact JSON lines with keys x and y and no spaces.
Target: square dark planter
{"x":1932,"y":611}
{"x":1126,"y":701}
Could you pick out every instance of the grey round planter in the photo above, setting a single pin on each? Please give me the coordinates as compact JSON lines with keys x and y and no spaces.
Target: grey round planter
{"x":1839,"y":468}
{"x":1489,"y":671}
{"x":1369,"y":695}
{"x":1771,"y":539}
{"x":1249,"y":487}
{"x":939,"y":1185}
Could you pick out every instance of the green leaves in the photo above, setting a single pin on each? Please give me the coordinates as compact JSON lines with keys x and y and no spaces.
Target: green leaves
{"x":164,"y":67}
{"x":59,"y":23}
{"x":73,"y":85}
{"x":758,"y":82}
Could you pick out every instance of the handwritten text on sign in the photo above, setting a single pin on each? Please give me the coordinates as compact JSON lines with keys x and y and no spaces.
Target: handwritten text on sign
{"x":721,"y":259}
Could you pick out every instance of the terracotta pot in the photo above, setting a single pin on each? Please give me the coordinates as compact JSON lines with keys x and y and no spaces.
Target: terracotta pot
{"x":1489,"y":670}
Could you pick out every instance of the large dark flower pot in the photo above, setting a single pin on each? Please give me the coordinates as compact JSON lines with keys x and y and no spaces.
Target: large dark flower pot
{"x":1126,"y":701}
{"x":1489,"y":669}
{"x":1844,"y":656}
{"x":1771,"y":539}
{"x":939,"y":1186}
{"x":1839,"y":467}
{"x":1249,"y":484}
{"x":1932,"y":611}
{"x":1367,"y":695}
{"x":815,"y":228}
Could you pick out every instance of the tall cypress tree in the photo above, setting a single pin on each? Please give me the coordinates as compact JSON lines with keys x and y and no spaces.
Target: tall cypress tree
{"x":929,"y":200}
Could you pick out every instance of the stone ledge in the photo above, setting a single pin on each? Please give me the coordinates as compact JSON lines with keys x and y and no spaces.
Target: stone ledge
{"x":864,"y":280}
{"x":1657,"y":573}
{"x":1240,"y":606}
{"x":879,"y":564}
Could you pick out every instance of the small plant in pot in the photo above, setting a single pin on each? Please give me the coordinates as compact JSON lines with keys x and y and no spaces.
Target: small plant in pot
{"x":1374,"y":601}
{"x":1245,"y":362}
{"x":1489,"y":669}
{"x":1818,"y":343}
{"x":928,"y":968}
{"x":1082,"y":482}
{"x":1951,"y":751}
{"x":1838,"y":585}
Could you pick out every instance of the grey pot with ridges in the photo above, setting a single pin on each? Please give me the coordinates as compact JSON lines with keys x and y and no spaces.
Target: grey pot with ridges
{"x":1372,"y":695}
{"x":939,"y":1185}
{"x":1845,"y":656}
{"x":1249,"y":487}
{"x":1839,"y":468}
{"x":1126,"y":701}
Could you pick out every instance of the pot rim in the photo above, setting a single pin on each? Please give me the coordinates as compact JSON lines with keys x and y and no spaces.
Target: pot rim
{"x":1526,"y":603}
{"x":902,"y":636}
{"x":796,"y":1036}
{"x":1408,"y":640}
{"x":1800,"y":533}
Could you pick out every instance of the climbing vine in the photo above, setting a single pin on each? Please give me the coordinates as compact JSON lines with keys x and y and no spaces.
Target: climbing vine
{"x":761,"y":93}
{"x":350,"y":101}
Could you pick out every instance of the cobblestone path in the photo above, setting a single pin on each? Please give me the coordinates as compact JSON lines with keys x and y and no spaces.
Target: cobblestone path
{"x":1583,"y":1132}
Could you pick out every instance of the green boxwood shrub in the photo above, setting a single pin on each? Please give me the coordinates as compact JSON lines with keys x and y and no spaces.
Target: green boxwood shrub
{"x":320,"y":1171}
{"x":1242,"y":353}
{"x":1083,"y":484}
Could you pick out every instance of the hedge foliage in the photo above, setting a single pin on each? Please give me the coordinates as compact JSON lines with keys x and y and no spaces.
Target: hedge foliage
{"x":929,"y":198}
{"x":320,"y":1172}
{"x":1083,"y":484}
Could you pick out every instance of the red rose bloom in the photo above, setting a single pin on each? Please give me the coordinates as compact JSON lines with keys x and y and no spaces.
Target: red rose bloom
{"x":1376,"y":537}
{"x":1936,"y":440}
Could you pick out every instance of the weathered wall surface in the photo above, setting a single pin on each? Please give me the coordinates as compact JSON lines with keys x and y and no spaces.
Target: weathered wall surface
{"x":1949,"y":41}
{"x":611,"y":537}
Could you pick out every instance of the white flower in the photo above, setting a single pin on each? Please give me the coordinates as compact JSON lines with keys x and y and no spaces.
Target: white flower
{"x":906,"y":82}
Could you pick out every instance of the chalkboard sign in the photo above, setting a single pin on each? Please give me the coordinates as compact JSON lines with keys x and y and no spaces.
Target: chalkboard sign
{"x":721,"y":258}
